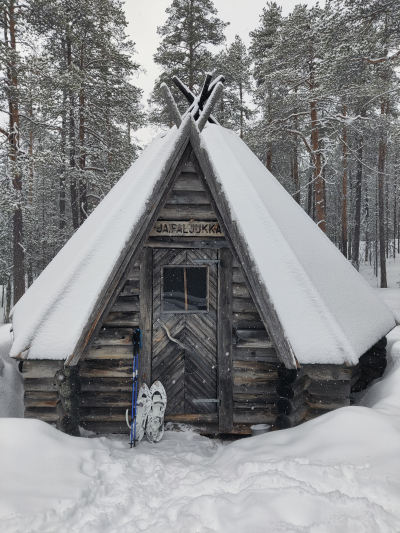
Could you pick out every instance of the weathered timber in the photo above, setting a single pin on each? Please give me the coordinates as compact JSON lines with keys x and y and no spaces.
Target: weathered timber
{"x":254,"y":400}
{"x":288,"y":421}
{"x":146,"y":315}
{"x":178,"y":242}
{"x":105,"y":398}
{"x":188,"y":167}
{"x":251,"y":386}
{"x":257,"y":367}
{"x":334,"y":389}
{"x":104,"y":427}
{"x":117,"y":320}
{"x":40,"y":399}
{"x":252,"y":338}
{"x":329,"y":372}
{"x":171,"y":105}
{"x":187,"y":212}
{"x":244,"y":305}
{"x":107,"y":413}
{"x":224,"y":339}
{"x":290,"y":375}
{"x":255,"y":408}
{"x":187,"y":197}
{"x":206,"y":113}
{"x":113,"y":337}
{"x":46,"y":414}
{"x":188,"y":182}
{"x":40,"y":369}
{"x":247,"y":321}
{"x":110,"y":352}
{"x":106,"y":368}
{"x":133,"y":274}
{"x":257,"y":290}
{"x":40,"y":384}
{"x":106,"y":384}
{"x":268,"y":355}
{"x":68,"y":408}
{"x":192,"y":418}
{"x":327,"y":403}
{"x":287,"y":407}
{"x":255,"y":376}
{"x":240,"y":291}
{"x":131,"y":288}
{"x":126,"y":304}
{"x":256,"y":416}
{"x":291,"y":390}
{"x":238,"y":276}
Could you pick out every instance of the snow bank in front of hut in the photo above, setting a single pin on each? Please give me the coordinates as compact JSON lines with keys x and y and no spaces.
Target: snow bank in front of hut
{"x":338,"y":473}
{"x":11,"y":386}
{"x":329,"y":313}
{"x":49,"y":318}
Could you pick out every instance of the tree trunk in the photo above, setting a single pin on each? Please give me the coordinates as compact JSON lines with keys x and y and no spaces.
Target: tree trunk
{"x":269,"y":157}
{"x":318,"y":180}
{"x":344,"y":190}
{"x":72,"y":162}
{"x":241,"y":110}
{"x":191,"y":50}
{"x":63,"y":165}
{"x":14,"y":140}
{"x":296,"y":181}
{"x":83,"y":207}
{"x":357,"y":215}
{"x":381,"y":203}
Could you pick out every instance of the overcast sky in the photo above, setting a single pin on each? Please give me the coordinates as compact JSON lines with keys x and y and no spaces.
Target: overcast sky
{"x":145,"y":15}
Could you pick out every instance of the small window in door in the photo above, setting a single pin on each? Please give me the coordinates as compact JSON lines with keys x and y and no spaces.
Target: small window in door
{"x":184,"y":289}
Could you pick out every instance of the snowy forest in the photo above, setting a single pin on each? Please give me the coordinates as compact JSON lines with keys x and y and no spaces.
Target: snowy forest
{"x":315,"y":96}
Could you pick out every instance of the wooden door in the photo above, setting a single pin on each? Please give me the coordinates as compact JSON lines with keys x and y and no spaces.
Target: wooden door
{"x":187,"y":370}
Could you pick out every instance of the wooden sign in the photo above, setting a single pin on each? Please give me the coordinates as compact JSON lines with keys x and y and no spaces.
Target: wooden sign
{"x":173,"y":228}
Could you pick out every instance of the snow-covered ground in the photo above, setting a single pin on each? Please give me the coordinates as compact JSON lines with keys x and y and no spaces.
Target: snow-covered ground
{"x":336,"y":474}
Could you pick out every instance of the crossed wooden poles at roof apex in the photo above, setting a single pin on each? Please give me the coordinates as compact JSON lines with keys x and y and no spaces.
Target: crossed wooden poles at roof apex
{"x":200,"y":106}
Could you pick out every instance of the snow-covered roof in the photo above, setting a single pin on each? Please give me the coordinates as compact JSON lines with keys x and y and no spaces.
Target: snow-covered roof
{"x":48,"y":320}
{"x":329,"y":314}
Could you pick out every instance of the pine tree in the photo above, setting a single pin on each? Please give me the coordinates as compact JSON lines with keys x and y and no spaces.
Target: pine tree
{"x":74,"y":109}
{"x":11,"y":66}
{"x":192,"y":26}
{"x":235,"y":64}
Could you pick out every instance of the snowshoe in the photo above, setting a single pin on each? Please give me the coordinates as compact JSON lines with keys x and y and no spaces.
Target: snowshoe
{"x":142,"y":410}
{"x":155,"y":420}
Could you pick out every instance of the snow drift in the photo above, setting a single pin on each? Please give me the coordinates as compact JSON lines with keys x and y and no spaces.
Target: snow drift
{"x":335,"y":474}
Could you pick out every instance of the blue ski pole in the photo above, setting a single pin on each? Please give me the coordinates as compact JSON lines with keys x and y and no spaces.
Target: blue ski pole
{"x":137,"y":343}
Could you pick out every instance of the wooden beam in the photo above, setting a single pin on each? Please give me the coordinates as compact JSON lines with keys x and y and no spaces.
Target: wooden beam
{"x":225,"y":348}
{"x":170,"y":102}
{"x":184,"y":90}
{"x":146,"y":315}
{"x":177,"y":242}
{"x":205,"y":115}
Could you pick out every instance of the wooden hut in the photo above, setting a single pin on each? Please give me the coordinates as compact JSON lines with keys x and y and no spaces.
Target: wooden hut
{"x":198,"y":243}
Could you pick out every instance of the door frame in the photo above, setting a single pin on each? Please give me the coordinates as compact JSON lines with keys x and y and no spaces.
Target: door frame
{"x":224,"y":330}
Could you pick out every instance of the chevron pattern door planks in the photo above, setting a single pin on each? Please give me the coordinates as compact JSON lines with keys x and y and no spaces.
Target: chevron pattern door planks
{"x":187,"y":372}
